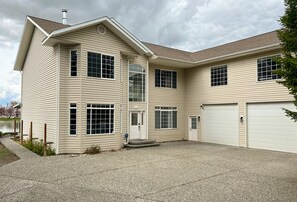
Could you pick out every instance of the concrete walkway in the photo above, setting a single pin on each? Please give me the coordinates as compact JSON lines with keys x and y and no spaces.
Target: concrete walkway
{"x":17,"y":149}
{"x":179,"y":171}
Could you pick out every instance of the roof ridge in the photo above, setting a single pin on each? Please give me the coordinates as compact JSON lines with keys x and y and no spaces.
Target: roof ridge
{"x":231,"y":42}
{"x":166,"y":47}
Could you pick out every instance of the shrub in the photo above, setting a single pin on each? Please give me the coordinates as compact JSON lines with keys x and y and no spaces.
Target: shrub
{"x":94,"y":149}
{"x":37,"y":147}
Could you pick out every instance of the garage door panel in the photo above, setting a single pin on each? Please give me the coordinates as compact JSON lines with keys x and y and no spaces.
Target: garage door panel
{"x":221,"y":124}
{"x":269,"y":127}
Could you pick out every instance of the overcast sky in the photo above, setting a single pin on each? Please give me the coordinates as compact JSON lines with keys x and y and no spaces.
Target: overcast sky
{"x":184,"y":24}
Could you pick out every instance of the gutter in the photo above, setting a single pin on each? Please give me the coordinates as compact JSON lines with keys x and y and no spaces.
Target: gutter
{"x":223,"y":57}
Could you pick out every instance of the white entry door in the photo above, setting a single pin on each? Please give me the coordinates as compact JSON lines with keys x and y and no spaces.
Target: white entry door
{"x":137,"y":125}
{"x":193,"y":128}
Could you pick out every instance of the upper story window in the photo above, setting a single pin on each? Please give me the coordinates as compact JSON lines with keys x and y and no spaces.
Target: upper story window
{"x":101,"y":66}
{"x":136,"y":83}
{"x":219,"y":76}
{"x":73,"y":63}
{"x":165,"y":78}
{"x":266,"y":66}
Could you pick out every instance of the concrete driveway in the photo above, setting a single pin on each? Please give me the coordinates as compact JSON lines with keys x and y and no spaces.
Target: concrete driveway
{"x":179,"y":171}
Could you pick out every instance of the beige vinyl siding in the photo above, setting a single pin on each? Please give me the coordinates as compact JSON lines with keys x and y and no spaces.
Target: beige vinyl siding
{"x":99,"y":91}
{"x":242,"y":88}
{"x":39,"y":90}
{"x":166,"y":97}
{"x":70,"y":92}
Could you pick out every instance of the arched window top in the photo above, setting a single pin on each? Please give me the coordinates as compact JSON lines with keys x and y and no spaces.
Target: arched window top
{"x":136,"y":68}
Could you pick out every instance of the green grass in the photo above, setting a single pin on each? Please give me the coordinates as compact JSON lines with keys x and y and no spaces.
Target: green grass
{"x":9,"y":119}
{"x":4,"y":152}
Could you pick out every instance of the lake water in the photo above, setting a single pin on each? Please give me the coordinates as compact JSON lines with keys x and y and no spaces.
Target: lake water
{"x":7,"y":126}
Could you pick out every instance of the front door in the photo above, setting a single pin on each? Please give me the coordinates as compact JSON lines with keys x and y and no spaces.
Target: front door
{"x":193,"y":128}
{"x":137,"y":125}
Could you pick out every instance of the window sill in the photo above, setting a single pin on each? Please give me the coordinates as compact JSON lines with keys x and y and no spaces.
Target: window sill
{"x":269,"y":81}
{"x":105,"y":134}
{"x":161,"y":129}
{"x":91,"y":77}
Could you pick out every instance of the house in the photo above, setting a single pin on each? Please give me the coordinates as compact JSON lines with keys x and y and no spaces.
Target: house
{"x":95,"y":81}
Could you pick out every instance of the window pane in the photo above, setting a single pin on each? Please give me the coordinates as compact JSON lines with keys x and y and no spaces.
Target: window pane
{"x":107,"y":66}
{"x":194,"y":123}
{"x":134,"y":119}
{"x":72,"y":119}
{"x":100,"y":119}
{"x":73,"y":63}
{"x":219,"y":76}
{"x":136,"y":83}
{"x":265,"y":67}
{"x":174,"y":81}
{"x":157,"y":119}
{"x":157,"y":78}
{"x":174,"y":119}
{"x":94,"y":64}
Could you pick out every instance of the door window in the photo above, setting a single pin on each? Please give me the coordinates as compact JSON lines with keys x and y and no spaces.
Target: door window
{"x":134,"y":119}
{"x":194,"y":123}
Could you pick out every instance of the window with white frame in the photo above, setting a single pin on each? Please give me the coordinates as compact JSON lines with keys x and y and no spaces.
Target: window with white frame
{"x":165,"y":78}
{"x":100,"y":119}
{"x":73,"y":63}
{"x":136,"y":83}
{"x":165,"y":117}
{"x":101,"y":66}
{"x":72,"y":117}
{"x":266,"y":66}
{"x":219,"y":75}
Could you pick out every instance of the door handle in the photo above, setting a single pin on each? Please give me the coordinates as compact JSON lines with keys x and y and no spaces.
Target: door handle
{"x":139,"y":126}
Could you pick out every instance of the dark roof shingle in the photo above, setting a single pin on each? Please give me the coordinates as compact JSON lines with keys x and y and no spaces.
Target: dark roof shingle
{"x":47,"y":25}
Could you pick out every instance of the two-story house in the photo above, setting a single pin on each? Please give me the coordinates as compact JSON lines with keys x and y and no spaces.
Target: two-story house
{"x":94,"y":82}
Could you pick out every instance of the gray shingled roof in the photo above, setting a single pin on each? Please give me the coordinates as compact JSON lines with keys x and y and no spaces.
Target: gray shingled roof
{"x":250,"y":43}
{"x":47,"y":25}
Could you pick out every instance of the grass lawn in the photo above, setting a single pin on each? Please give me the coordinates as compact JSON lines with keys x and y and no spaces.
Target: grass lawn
{"x":9,"y":119}
{"x":6,"y":156}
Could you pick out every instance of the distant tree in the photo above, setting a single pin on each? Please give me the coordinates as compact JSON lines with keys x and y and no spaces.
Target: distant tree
{"x":2,"y":111}
{"x":288,"y":37}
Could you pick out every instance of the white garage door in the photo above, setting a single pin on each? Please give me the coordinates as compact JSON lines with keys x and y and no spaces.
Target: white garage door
{"x":269,"y":128}
{"x":221,"y":124}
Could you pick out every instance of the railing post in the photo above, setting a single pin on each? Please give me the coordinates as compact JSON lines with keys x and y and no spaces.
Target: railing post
{"x":22,"y":131}
{"x":44,"y":141}
{"x":31,"y":131}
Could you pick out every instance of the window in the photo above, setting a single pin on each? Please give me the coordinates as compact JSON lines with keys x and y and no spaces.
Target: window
{"x":165,"y":117}
{"x":165,"y":78}
{"x":100,"y":65}
{"x":266,"y":66}
{"x":72,"y":119}
{"x":100,"y":118}
{"x":136,"y":83}
{"x":219,"y":75}
{"x":73,"y":63}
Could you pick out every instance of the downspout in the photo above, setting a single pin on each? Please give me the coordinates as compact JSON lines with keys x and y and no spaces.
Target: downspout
{"x":58,"y":100}
{"x":128,"y":104}
{"x":81,"y":105}
{"x":147,"y":98}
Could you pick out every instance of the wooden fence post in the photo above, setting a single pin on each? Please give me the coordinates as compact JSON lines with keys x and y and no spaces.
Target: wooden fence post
{"x":22,"y":131}
{"x":44,"y":142}
{"x":31,"y":131}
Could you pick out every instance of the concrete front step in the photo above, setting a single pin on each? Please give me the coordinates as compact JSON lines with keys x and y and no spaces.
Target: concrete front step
{"x":141,"y":141}
{"x":142,"y":145}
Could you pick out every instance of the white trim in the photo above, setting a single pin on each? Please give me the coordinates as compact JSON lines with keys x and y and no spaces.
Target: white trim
{"x":114,"y":62}
{"x":114,"y":117}
{"x":128,"y":102}
{"x":36,"y":25}
{"x":69,"y":124}
{"x":112,"y":22}
{"x":168,"y":70}
{"x":69,"y":52}
{"x":222,"y":57}
{"x":58,"y":99}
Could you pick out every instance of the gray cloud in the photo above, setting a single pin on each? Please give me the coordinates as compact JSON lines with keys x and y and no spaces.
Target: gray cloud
{"x":185,"y":24}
